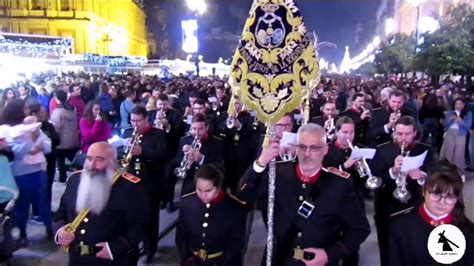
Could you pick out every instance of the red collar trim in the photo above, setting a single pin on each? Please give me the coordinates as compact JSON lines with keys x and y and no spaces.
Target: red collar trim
{"x":218,"y":198}
{"x":205,"y":137}
{"x":427,"y":218}
{"x":339,"y":146}
{"x":147,"y":129}
{"x":306,"y":179}
{"x":356,"y":109}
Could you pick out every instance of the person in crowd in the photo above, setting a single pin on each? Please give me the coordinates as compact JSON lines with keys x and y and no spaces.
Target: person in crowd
{"x":457,"y":124}
{"x":64,"y":119}
{"x":431,"y":113}
{"x":106,"y":102}
{"x":41,"y":115}
{"x":75,"y":100}
{"x":126,"y":108}
{"x":93,"y":126}
{"x":8,"y":95}
{"x":29,"y":173}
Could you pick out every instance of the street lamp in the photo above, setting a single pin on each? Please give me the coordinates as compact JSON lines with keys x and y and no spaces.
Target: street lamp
{"x":416,"y":4}
{"x":198,"y":6}
{"x":389,"y":26}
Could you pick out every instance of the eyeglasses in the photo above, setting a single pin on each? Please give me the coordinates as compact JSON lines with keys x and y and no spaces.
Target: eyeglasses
{"x":280,"y":126}
{"x":448,"y":198}
{"x":312,"y":148}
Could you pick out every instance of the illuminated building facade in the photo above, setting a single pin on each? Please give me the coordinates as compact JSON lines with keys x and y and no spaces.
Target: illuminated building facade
{"x":105,"y":27}
{"x":400,"y":16}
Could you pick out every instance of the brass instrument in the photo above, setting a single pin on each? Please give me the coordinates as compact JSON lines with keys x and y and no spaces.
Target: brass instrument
{"x":187,"y":159}
{"x":230,"y":122}
{"x":135,"y":140}
{"x":330,"y":129}
{"x":363,"y":170}
{"x":365,"y":109}
{"x":161,"y":114}
{"x":401,"y":193}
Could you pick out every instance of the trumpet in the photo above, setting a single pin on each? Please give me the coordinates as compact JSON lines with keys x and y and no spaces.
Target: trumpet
{"x":331,"y":129}
{"x":230,"y":122}
{"x":365,"y":109}
{"x":187,"y":159}
{"x":363,"y":169}
{"x":401,"y":193}
{"x":135,"y":140}
{"x":159,"y":119}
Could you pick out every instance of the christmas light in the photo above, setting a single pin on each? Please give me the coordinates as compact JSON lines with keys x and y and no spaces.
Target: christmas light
{"x":41,"y":47}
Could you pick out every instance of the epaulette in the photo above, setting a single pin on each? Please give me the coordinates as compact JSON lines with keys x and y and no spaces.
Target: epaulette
{"x":76,"y":172}
{"x":405,"y":211}
{"x":237,"y":199}
{"x":187,"y":136}
{"x":216,"y":137}
{"x":385,"y":143}
{"x":189,"y":194}
{"x":131,"y":178}
{"x":337,"y":172}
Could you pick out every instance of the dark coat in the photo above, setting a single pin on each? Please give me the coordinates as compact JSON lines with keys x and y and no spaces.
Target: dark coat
{"x":408,"y":242}
{"x":376,"y":134}
{"x":120,"y":224}
{"x":213,"y":153}
{"x":337,"y":224}
{"x":224,"y":231}
{"x":152,"y":158}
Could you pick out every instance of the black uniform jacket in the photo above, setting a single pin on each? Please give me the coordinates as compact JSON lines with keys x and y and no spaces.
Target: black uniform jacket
{"x":360,"y":125}
{"x":337,"y":223}
{"x":176,"y":131}
{"x":409,"y":234}
{"x":215,"y":227}
{"x":151,"y":159}
{"x":380,"y":116}
{"x":336,"y":157}
{"x":212,"y":150}
{"x":380,"y":165}
{"x":120,"y":224}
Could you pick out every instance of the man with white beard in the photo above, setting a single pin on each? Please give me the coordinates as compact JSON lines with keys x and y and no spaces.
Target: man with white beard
{"x":110,"y":232}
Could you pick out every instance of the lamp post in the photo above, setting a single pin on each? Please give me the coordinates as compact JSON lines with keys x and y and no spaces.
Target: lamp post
{"x":416,"y":4}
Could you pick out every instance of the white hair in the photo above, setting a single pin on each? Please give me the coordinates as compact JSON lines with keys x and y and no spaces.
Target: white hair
{"x":94,"y":190}
{"x":312,"y":128}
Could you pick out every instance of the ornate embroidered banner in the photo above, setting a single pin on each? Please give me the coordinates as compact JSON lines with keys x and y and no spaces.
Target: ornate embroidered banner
{"x":274,"y":65}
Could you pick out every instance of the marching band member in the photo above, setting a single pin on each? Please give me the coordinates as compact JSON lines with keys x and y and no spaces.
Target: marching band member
{"x":442,"y":204}
{"x":327,"y":120}
{"x":339,"y":156}
{"x":147,"y":163}
{"x":310,"y":201}
{"x":387,"y":164}
{"x":236,"y":130}
{"x":360,"y":115}
{"x":169,"y":120}
{"x":383,"y":119}
{"x":111,"y":230}
{"x":209,"y":150}
{"x":211,"y":223}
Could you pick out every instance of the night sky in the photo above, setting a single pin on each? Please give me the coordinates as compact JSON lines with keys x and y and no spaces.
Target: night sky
{"x":333,"y":20}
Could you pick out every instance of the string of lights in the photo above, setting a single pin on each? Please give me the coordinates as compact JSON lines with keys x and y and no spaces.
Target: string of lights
{"x":43,"y":49}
